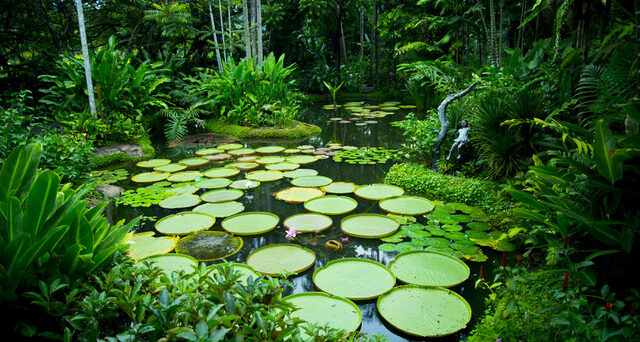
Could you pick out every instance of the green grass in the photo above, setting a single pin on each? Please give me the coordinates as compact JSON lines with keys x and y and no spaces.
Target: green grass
{"x":299,"y":130}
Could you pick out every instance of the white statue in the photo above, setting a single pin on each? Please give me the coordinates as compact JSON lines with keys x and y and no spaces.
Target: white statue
{"x":462,"y":139}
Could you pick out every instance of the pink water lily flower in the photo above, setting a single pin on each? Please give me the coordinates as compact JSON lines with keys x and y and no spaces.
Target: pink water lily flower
{"x":291,"y":233}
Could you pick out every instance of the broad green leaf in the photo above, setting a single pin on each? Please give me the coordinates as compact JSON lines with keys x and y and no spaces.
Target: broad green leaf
{"x":40,"y":201}
{"x":604,"y":145}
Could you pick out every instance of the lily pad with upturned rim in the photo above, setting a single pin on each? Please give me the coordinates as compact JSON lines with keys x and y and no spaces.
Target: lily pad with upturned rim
{"x":297,"y":194}
{"x":209,"y":246}
{"x":376,"y":192}
{"x":184,"y":176}
{"x":180,"y":201}
{"x":311,"y":181}
{"x":243,"y":166}
{"x":324,"y":309}
{"x":308,"y":222}
{"x":218,"y":157}
{"x":244,"y":184}
{"x":221,"y":209}
{"x":264,"y":175}
{"x":424,"y":311}
{"x":152,"y":163}
{"x":208,"y":151}
{"x":194,"y":162}
{"x":150,"y":177}
{"x":184,"y":223}
{"x":221,"y":195}
{"x":302,"y":159}
{"x":250,"y":223}
{"x":171,"y":168}
{"x":406,"y":205}
{"x":269,"y":149}
{"x":300,"y":173}
{"x":213,"y":183}
{"x":352,"y":278}
{"x":369,"y":226}
{"x":242,"y":152}
{"x":427,"y":268}
{"x":284,"y":166}
{"x":269,"y":160}
{"x":230,"y":146}
{"x":331,"y":205}
{"x":278,"y":258}
{"x":172,"y":262}
{"x":142,"y":245}
{"x":340,"y":188}
{"x":221,"y":172}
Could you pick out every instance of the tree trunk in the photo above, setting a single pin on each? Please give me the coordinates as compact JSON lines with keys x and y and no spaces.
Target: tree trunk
{"x":344,"y":47}
{"x":247,"y":35}
{"x":361,"y":34}
{"x":254,"y":47}
{"x":85,"y":56}
{"x":224,"y":44}
{"x":492,"y":35}
{"x":444,"y":123}
{"x":215,"y":38}
{"x":375,"y":43}
{"x":259,"y":30}
{"x":229,"y":26}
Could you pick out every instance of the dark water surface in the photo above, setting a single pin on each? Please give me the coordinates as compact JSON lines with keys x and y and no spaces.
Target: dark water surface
{"x":261,"y":199}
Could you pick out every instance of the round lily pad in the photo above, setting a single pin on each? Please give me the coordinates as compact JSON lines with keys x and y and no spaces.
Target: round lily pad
{"x":213,"y":183}
{"x":142,"y":245}
{"x":180,"y":201}
{"x":242,"y":152}
{"x":427,"y":268}
{"x":244,"y":184}
{"x":170,"y":263}
{"x":305,"y":147}
{"x":309,"y":222}
{"x":302,"y":159}
{"x":171,"y":168}
{"x":323,"y":309}
{"x":247,"y":159}
{"x":353,"y":278}
{"x":184,"y":176}
{"x":291,"y":150}
{"x":150,"y":177}
{"x":298,"y":195}
{"x":406,"y":205}
{"x":369,"y":225}
{"x":243,"y":166}
{"x":284,"y":166}
{"x":424,"y":311}
{"x":270,"y":160}
{"x":221,"y":195}
{"x":311,"y":181}
{"x":184,"y":223}
{"x":218,"y":157}
{"x":300,"y":173}
{"x":340,"y":188}
{"x":331,"y":205}
{"x":278,"y":258}
{"x":208,"y":151}
{"x":264,"y":175}
{"x":222,"y":209}
{"x":377,"y":192}
{"x":269,"y":149}
{"x":209,"y":246}
{"x":230,"y":146}
{"x":251,"y":223}
{"x":221,"y":172}
{"x":194,"y":162}
{"x":150,"y":164}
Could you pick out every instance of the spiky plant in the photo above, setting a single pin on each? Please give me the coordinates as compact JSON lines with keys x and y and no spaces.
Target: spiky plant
{"x":179,"y":119}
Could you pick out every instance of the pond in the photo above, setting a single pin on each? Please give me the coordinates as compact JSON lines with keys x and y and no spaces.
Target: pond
{"x":348,"y":131}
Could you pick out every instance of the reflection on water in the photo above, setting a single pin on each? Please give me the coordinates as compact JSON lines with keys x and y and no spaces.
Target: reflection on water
{"x":261,"y":199}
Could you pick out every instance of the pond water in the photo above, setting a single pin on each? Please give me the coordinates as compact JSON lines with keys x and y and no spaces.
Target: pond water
{"x":380,"y":134}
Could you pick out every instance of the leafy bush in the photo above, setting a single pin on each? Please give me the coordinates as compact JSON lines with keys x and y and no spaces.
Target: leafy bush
{"x":418,"y":179}
{"x":419,"y":135}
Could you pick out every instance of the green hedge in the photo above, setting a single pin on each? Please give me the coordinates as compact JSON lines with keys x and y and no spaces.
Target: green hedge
{"x":299,"y":130}
{"x":119,"y":157}
{"x":420,"y":180}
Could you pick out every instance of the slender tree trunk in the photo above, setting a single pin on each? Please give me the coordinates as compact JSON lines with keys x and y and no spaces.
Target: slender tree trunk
{"x":259,"y":30}
{"x":247,"y":35}
{"x":375,"y":44}
{"x":344,"y":47}
{"x":215,"y":38}
{"x":361,"y":34}
{"x":254,"y":47}
{"x":85,"y":56}
{"x":500,"y":35}
{"x":229,"y":26}
{"x":492,"y":39}
{"x":224,"y":45}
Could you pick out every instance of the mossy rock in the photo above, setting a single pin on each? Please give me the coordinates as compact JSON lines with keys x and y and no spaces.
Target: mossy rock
{"x":298,"y":130}
{"x":101,"y":161}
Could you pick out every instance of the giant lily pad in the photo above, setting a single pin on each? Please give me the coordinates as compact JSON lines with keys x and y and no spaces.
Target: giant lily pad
{"x":231,"y":146}
{"x":180,"y":201}
{"x":184,"y":223}
{"x":278,"y":258}
{"x":323,"y":309}
{"x":150,"y":164}
{"x":377,"y":192}
{"x":184,"y":176}
{"x":150,"y":177}
{"x":222,"y":209}
{"x":269,"y":160}
{"x":264,"y":176}
{"x":354,"y":278}
{"x":251,"y":223}
{"x":331,"y":205}
{"x":213,"y":183}
{"x":302,"y":159}
{"x":311,"y":181}
{"x":208,"y":151}
{"x":369,"y":225}
{"x":429,"y":269}
{"x":298,"y":195}
{"x":194,"y":162}
{"x":222,"y":195}
{"x":142,"y":245}
{"x":243,"y":166}
{"x":309,"y":222}
{"x":171,"y":168}
{"x":169,"y":263}
{"x":300,"y":173}
{"x":269,"y":149}
{"x":244,"y":184}
{"x":221,"y":172}
{"x":209,"y":246}
{"x":340,"y":188}
{"x":424,"y":311}
{"x":242,"y":152}
{"x":218,"y":157}
{"x":406,"y":205}
{"x":284,"y":166}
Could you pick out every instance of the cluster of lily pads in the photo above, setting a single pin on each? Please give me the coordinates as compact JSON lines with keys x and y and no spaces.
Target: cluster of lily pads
{"x":106,"y":176}
{"x":366,"y":155}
